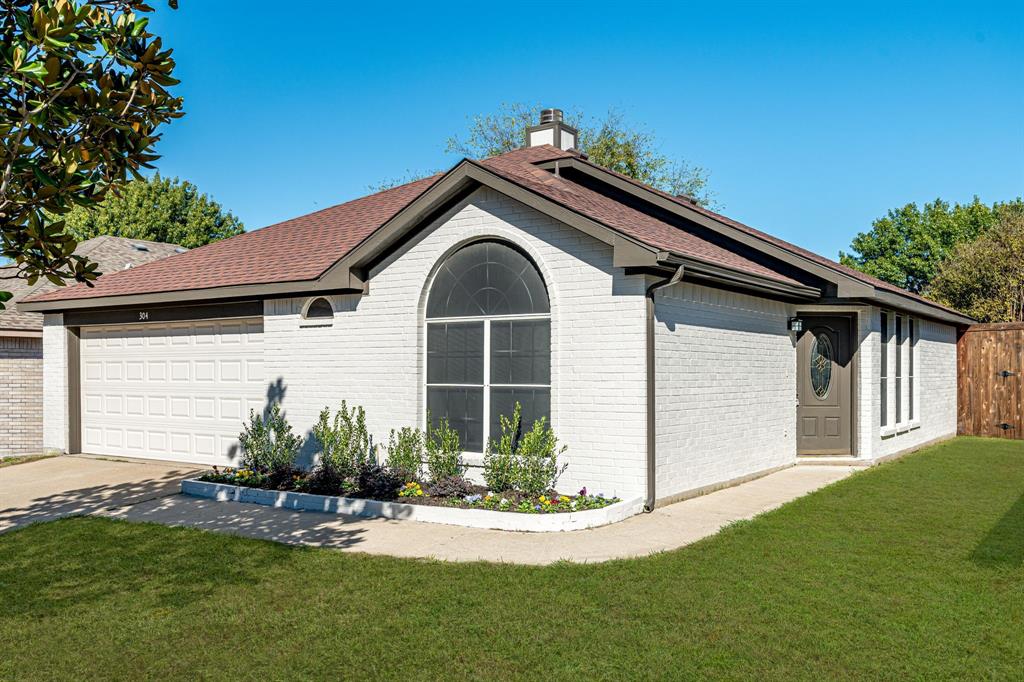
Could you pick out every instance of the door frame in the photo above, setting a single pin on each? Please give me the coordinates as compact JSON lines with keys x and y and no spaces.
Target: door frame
{"x":855,"y":391}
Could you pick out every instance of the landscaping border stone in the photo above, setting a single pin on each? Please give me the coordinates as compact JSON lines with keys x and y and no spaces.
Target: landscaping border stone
{"x":455,"y":516}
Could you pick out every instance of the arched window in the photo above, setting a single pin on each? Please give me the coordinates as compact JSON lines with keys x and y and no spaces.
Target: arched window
{"x":319,"y":309}
{"x":488,"y":342}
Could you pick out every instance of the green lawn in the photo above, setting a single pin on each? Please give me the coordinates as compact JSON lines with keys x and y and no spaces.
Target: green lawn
{"x":914,"y":569}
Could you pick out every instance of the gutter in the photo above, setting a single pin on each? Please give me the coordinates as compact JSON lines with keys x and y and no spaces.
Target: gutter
{"x":676,"y":277}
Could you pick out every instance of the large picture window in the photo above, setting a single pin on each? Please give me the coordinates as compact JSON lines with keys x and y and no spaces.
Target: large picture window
{"x":488,"y":342}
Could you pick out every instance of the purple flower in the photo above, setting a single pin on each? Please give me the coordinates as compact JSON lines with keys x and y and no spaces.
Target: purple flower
{"x":583,"y":491}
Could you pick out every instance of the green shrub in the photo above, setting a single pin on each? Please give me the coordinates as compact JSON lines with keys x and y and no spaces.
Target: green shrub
{"x":500,"y":459}
{"x":537,"y":468}
{"x":268,"y":444}
{"x":523,"y":462}
{"x":405,"y":452}
{"x":345,"y":444}
{"x":444,"y":453}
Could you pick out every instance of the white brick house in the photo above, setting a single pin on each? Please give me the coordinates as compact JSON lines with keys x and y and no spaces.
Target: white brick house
{"x":672,"y":349}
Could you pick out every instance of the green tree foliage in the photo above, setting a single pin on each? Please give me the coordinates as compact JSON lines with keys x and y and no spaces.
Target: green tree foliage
{"x":907,"y":246}
{"x":83,"y":94}
{"x":985,"y":278}
{"x":610,"y":142}
{"x":158,"y":209}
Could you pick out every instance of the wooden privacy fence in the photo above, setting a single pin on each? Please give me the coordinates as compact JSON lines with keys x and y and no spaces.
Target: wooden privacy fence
{"x":990,"y":390}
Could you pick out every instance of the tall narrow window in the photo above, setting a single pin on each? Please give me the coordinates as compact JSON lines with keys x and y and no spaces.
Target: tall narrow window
{"x":911,"y":342}
{"x":488,"y":342}
{"x":883,"y":385}
{"x":899,"y":369}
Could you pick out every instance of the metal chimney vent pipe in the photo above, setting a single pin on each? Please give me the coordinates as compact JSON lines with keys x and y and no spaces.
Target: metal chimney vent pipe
{"x":550,"y":116}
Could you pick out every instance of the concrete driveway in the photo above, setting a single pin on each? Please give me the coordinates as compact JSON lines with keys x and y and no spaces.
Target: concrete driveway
{"x":63,"y":486}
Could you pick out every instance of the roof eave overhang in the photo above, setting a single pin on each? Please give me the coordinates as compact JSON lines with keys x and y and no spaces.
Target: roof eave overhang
{"x":846,"y":287}
{"x":247,"y":291}
{"x":889,"y":299}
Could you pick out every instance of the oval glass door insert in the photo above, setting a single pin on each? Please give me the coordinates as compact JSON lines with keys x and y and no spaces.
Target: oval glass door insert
{"x":821,"y":365}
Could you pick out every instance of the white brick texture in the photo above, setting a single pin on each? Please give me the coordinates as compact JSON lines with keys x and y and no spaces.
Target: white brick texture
{"x":55,"y":384}
{"x":372,"y":355}
{"x":726,"y":387}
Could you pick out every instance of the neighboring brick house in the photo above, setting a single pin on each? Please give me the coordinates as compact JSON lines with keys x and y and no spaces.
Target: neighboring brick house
{"x":21,"y":340}
{"x":673,"y":349}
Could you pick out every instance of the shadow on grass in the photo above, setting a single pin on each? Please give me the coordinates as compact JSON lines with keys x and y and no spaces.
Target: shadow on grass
{"x":1003,"y":546}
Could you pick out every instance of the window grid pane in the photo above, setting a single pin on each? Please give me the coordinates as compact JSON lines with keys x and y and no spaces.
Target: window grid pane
{"x":911,"y":341}
{"x":464,"y":408}
{"x":883,"y":389}
{"x":534,"y":402}
{"x":455,"y":353}
{"x":521,"y":352}
{"x":899,"y":369}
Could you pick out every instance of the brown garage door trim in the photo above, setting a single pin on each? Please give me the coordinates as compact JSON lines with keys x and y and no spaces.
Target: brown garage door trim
{"x":158,"y":314}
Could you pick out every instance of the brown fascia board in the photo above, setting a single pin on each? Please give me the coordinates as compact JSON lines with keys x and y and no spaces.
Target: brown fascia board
{"x":848,"y":287}
{"x":888,"y":299}
{"x":271,"y":290}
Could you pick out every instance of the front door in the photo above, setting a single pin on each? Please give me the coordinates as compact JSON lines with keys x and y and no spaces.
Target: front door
{"x":825,"y":387}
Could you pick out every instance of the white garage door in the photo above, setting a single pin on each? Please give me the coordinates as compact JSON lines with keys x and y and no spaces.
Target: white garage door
{"x":178,"y":391}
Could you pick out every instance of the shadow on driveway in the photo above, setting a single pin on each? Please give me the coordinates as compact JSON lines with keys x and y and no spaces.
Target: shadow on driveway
{"x":66,"y":486}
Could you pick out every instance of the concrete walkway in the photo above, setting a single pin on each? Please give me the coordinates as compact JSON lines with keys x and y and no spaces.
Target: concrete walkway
{"x":48,"y":489}
{"x":664,"y":529}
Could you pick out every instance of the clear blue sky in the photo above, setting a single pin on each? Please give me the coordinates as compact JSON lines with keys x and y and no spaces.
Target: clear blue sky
{"x":813,"y":118}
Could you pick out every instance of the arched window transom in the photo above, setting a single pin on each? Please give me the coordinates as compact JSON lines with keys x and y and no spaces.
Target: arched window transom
{"x":488,"y":342}
{"x":487,"y":279}
{"x":319,"y":309}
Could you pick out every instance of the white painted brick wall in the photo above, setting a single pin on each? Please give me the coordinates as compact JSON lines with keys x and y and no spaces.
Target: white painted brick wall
{"x":373,"y":353}
{"x":726,"y":387}
{"x":55,"y":383}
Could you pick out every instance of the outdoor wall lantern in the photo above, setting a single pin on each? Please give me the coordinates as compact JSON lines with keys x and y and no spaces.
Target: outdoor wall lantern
{"x":796,"y":325}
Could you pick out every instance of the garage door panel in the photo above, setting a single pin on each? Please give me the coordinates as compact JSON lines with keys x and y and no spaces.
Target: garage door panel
{"x":179,"y":391}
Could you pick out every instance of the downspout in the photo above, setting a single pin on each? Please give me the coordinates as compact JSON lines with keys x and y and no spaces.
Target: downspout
{"x":676,"y":277}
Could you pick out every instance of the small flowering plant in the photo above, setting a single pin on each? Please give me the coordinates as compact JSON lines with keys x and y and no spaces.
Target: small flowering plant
{"x":551,"y":503}
{"x":411,"y":489}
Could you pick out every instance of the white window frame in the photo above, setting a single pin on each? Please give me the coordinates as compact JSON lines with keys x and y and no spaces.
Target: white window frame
{"x":884,"y":343}
{"x":487,"y":385}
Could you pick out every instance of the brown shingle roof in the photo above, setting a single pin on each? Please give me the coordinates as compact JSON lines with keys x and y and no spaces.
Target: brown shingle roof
{"x":111,"y":254}
{"x":303,"y":248}
{"x":624,"y":219}
{"x":292,"y":251}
